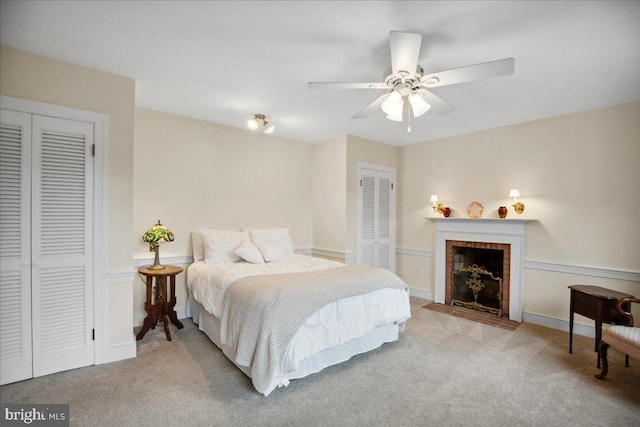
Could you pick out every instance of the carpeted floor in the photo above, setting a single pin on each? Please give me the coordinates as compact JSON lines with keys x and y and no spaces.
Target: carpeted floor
{"x":443,"y":371}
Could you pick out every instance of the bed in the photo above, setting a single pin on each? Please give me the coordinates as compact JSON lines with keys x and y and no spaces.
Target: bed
{"x":280,"y":316}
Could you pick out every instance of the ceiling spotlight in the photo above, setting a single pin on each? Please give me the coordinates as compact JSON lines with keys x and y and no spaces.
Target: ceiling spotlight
{"x":253,"y":123}
{"x":260,"y":121}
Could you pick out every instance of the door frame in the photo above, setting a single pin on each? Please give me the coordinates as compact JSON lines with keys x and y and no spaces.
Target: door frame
{"x":100,"y":235}
{"x":360,"y":167}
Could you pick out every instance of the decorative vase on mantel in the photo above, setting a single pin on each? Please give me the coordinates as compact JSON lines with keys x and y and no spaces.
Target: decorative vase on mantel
{"x":502,"y":211}
{"x":446,"y":212}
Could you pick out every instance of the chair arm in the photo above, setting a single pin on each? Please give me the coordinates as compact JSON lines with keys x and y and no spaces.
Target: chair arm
{"x":627,"y":314}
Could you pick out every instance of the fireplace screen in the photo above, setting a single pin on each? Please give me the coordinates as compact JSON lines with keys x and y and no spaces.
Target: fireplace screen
{"x":477,"y":288}
{"x":478,"y":276}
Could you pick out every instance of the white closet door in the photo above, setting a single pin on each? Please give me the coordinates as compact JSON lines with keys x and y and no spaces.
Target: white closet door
{"x":367,"y":253}
{"x":375,"y":238}
{"x":384,"y":256}
{"x":15,"y":247}
{"x":61,"y":226}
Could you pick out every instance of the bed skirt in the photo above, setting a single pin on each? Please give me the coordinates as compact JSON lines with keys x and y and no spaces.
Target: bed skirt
{"x":210,"y":325}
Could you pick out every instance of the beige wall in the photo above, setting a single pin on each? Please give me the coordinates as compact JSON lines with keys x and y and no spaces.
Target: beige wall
{"x":579,"y":178}
{"x":329,"y":194}
{"x":37,"y":78}
{"x":335,"y":189}
{"x":193,"y":174}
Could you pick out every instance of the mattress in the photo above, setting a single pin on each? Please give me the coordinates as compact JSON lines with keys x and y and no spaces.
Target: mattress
{"x":350,"y":325}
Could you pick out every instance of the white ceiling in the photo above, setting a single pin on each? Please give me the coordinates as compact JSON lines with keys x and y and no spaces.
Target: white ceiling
{"x":224,"y":61}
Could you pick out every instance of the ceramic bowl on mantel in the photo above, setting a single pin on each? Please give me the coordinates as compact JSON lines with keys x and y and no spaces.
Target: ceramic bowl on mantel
{"x":474,"y":210}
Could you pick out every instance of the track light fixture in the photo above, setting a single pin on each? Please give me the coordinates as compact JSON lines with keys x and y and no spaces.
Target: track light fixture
{"x":259,"y":121}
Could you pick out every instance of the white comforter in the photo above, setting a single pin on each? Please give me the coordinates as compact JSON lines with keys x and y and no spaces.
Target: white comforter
{"x":335,"y":324}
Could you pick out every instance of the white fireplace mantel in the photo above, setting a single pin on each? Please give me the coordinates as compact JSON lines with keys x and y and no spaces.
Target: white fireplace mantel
{"x":490,"y":230}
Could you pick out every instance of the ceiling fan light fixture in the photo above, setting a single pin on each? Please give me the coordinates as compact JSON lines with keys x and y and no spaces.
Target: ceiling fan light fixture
{"x":270,"y":129}
{"x":418,"y":104}
{"x":392,"y":104}
{"x":396,"y":116}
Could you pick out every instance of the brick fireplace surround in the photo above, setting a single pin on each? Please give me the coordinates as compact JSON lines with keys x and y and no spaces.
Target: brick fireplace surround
{"x":509,"y":232}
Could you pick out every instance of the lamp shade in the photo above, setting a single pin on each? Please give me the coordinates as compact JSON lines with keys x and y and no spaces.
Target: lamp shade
{"x":158,"y":234}
{"x":396,"y":115}
{"x":434,"y":198}
{"x":392,"y":104}
{"x":514,"y":192}
{"x":418,"y":104}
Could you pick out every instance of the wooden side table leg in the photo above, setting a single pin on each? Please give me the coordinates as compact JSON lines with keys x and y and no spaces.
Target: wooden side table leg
{"x":598,"y":338}
{"x":571,"y":322}
{"x":149,"y":321}
{"x":165,"y":322}
{"x":151,"y":309}
{"x":172,"y":303}
{"x":161,"y":284}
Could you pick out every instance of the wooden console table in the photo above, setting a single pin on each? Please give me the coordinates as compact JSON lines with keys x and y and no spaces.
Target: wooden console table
{"x":163,"y":309}
{"x":598,"y":304}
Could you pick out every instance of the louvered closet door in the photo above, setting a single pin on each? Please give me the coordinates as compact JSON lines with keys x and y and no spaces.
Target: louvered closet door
{"x":15,"y":247}
{"x":367,"y":250}
{"x":62,"y":274}
{"x":383,"y":220}
{"x":375,"y":245}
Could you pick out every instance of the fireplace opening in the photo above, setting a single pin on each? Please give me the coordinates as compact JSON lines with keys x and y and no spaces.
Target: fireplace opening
{"x":478,"y":276}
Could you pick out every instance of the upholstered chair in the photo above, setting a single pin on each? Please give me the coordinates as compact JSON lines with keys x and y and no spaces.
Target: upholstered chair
{"x":623,"y":338}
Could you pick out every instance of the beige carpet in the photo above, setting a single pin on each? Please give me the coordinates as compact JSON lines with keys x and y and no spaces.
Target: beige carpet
{"x":444,"y":371}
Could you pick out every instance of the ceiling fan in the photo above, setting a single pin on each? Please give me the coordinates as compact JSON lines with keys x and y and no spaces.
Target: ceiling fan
{"x":406,"y":84}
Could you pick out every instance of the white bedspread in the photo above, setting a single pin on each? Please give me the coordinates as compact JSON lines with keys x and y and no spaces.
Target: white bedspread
{"x":331,"y":326}
{"x":208,"y":282}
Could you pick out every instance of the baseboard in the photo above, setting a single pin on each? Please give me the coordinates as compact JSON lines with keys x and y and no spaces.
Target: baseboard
{"x":421,"y":293}
{"x":138,"y":318}
{"x":563,"y":325}
{"x":121,"y":351}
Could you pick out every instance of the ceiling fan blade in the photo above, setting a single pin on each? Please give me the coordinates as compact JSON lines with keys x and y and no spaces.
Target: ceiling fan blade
{"x":499,"y":68}
{"x":438,"y":105}
{"x":405,"y":50}
{"x":321,"y":85}
{"x":375,"y":105}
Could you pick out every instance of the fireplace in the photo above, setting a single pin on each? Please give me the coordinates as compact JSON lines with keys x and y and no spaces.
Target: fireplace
{"x":507,"y":235}
{"x":477,"y":276}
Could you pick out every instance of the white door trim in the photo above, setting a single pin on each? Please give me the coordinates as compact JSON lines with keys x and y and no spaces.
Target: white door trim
{"x":100,"y":122}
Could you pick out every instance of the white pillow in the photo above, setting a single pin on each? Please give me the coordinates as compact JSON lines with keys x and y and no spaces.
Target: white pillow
{"x":197,"y":246}
{"x":272,"y":253}
{"x":272,"y":236}
{"x":220,"y":246}
{"x":248,"y":252}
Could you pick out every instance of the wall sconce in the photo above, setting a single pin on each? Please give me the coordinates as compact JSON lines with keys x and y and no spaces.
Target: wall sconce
{"x":260,"y":120}
{"x":517,"y":206}
{"x":436,"y":208}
